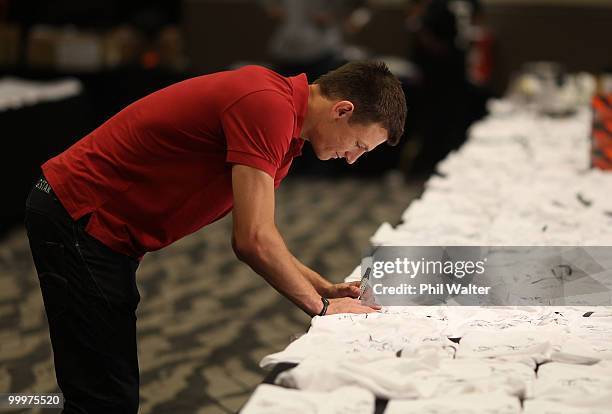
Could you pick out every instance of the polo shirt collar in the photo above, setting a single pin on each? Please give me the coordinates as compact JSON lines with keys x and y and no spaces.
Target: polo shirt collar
{"x":300,"y":91}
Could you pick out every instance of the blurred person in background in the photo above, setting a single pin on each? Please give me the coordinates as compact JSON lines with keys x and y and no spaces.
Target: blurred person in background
{"x":447,"y":101}
{"x":168,"y":165}
{"x":310,"y":35}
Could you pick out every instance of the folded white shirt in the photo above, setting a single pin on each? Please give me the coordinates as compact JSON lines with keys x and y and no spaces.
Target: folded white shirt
{"x":537,"y":343}
{"x":573,"y":383}
{"x":386,"y":377}
{"x":580,"y":350}
{"x":270,"y":399}
{"x":386,"y":333}
{"x":495,"y":319}
{"x":492,"y":403}
{"x":315,"y":344}
{"x":407,"y":378}
{"x":598,"y":406}
{"x":594,"y":333}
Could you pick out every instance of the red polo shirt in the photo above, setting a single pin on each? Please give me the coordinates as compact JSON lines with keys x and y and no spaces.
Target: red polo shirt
{"x":161,"y":168}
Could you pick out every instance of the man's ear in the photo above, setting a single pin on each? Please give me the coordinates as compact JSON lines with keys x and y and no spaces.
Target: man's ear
{"x":343,"y":109}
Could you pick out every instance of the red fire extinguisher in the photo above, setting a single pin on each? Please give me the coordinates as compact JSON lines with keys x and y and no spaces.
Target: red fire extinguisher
{"x":480,"y":57}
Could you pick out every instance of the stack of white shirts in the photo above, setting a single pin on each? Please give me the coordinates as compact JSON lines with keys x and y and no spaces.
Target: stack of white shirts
{"x":499,"y":350}
{"x":519,"y":180}
{"x":16,"y":93}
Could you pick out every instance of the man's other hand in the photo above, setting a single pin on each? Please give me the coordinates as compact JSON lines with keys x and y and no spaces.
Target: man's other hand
{"x":349,"y":305}
{"x":342,"y":290}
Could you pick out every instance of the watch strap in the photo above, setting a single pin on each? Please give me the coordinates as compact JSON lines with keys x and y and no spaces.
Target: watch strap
{"x":325,"y":305}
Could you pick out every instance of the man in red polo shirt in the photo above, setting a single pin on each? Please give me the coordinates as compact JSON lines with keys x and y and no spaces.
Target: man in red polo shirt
{"x":168,"y":165}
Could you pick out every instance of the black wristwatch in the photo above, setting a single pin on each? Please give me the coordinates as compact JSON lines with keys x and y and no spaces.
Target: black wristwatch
{"x":325,"y":305}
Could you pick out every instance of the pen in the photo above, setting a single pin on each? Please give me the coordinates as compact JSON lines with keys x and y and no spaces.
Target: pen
{"x":364,"y":283}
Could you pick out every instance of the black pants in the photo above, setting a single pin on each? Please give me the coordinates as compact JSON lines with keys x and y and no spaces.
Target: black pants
{"x":90,"y":298}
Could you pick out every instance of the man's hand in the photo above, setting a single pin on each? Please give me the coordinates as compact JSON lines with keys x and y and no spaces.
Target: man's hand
{"x":349,"y":305}
{"x":342,"y":290}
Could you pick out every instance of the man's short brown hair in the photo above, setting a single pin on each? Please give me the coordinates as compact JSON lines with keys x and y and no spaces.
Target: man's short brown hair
{"x":376,"y":93}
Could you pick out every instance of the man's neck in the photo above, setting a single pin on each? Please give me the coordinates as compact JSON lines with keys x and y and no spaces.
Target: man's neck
{"x":313,"y":108}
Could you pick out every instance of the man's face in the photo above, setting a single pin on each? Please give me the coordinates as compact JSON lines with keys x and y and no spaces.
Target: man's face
{"x":334,"y":137}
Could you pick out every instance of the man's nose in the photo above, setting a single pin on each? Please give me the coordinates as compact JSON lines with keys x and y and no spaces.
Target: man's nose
{"x":351,"y":156}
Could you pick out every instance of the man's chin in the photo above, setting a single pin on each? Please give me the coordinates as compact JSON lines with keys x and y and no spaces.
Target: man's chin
{"x":324,"y":157}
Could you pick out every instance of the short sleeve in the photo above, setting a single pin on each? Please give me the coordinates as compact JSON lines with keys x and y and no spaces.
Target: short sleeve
{"x":258,"y":129}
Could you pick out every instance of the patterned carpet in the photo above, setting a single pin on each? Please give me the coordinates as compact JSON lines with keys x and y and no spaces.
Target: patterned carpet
{"x":205,"y":319}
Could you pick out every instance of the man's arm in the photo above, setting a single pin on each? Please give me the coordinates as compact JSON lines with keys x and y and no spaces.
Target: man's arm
{"x":258,"y":243}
